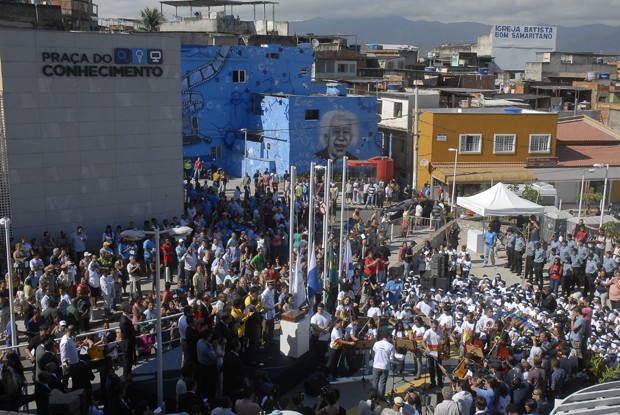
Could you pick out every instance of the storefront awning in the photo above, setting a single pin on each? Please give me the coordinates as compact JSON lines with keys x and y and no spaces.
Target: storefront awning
{"x":471,"y":175}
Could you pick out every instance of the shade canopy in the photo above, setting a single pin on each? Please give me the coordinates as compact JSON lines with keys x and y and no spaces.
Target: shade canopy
{"x":499,"y":201}
{"x":484,"y":174}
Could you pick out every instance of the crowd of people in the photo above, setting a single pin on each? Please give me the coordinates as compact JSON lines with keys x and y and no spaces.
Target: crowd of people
{"x":227,"y":283}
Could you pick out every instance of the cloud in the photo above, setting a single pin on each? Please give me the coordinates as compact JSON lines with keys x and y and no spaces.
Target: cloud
{"x":555,"y":12}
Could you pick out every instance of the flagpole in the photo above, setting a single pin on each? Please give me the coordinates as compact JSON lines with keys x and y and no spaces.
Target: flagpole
{"x":291,"y":219}
{"x":311,"y":211}
{"x":326,"y":193}
{"x":342,"y":202}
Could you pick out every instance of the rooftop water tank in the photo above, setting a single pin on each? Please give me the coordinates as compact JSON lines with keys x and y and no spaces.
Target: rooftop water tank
{"x":604,"y":75}
{"x":430,"y":69}
{"x":394,"y":87}
{"x":483,"y":71}
{"x":513,"y":110}
{"x":591,"y":76}
{"x":336,"y":89}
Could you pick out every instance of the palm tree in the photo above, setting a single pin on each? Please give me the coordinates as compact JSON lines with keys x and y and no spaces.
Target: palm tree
{"x":151,"y":19}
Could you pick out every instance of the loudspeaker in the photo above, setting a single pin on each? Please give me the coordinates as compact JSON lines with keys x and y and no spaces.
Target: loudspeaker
{"x":430,"y":280}
{"x":439,"y":265}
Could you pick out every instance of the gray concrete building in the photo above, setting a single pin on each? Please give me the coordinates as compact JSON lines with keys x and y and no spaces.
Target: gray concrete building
{"x":92,"y":130}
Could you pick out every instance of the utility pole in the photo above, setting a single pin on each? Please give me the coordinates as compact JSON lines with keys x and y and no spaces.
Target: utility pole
{"x":416,"y":140}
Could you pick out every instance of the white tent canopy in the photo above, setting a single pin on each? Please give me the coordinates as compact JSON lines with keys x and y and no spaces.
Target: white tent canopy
{"x":498,"y":201}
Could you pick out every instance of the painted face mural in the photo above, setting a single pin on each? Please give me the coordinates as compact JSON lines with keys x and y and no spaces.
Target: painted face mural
{"x":338,"y":132}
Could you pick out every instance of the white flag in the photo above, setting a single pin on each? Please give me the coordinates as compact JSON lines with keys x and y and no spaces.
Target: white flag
{"x":298,"y":288}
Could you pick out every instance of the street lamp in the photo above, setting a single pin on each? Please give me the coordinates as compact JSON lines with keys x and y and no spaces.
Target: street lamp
{"x":598,"y":166}
{"x":452,"y":199}
{"x":6,"y":222}
{"x":245,"y":151}
{"x":583,"y":179}
{"x":137,"y":235}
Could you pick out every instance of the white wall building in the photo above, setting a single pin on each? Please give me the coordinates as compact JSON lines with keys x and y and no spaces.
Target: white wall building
{"x":512,"y":46}
{"x":92,"y":130}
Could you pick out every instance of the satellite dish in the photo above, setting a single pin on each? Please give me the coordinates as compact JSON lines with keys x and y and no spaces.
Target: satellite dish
{"x":315,"y":43}
{"x":424,"y":162}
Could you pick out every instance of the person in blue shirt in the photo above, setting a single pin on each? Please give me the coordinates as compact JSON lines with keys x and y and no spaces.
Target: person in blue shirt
{"x":394,"y":288}
{"x":567,"y":276}
{"x":181,"y":250}
{"x":539,"y":264}
{"x":591,"y":273}
{"x":486,"y":390}
{"x":517,"y":264}
{"x":490,"y":239}
{"x":564,"y":250}
{"x":149,"y":255}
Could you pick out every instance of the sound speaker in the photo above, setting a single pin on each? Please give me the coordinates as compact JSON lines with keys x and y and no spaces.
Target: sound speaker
{"x":430,"y":280}
{"x":439,"y":265}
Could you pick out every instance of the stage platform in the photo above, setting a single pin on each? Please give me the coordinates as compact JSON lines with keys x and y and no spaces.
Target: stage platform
{"x":286,"y":372}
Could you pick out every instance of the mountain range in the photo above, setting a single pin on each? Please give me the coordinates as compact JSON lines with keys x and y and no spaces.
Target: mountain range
{"x":597,"y":38}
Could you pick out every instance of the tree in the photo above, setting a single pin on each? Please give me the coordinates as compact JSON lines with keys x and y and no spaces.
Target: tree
{"x":151,"y":19}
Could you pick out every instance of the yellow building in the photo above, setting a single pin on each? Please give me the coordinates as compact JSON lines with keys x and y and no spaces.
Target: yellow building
{"x":494,"y":144}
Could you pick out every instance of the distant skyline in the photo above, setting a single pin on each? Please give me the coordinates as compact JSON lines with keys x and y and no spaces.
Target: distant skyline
{"x":524,"y":12}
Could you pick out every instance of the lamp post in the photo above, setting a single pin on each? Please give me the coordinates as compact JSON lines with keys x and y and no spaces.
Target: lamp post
{"x":136,"y":235}
{"x":452,"y":199}
{"x":6,"y":222}
{"x":598,"y":166}
{"x":245,"y":151}
{"x":583,"y":180}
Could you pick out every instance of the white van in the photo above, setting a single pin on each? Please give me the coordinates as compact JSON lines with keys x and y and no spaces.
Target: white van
{"x":547,"y":194}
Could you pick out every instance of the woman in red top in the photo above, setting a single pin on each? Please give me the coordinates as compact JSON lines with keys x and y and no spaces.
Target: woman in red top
{"x":555,"y":275}
{"x":370,"y":265}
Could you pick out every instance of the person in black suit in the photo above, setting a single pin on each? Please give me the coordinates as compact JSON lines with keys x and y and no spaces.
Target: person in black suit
{"x":192,"y":336}
{"x":42,"y":392}
{"x":234,"y":372}
{"x":128,"y":342}
{"x":190,"y":402}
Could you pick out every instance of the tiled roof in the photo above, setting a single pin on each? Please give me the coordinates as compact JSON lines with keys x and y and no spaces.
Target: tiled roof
{"x":583,"y":129}
{"x":586,"y":155}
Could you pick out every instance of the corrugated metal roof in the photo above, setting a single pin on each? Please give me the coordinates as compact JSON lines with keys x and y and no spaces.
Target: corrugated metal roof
{"x":585,"y":129}
{"x":596,"y":400}
{"x":586,"y":155}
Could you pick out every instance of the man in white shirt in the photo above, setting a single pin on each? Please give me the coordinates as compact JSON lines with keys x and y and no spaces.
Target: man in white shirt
{"x":462,"y":396}
{"x":68,"y":351}
{"x":383,"y":352}
{"x":432,"y":342}
{"x":320,"y":324}
{"x":269,"y":304}
{"x":425,"y":306}
{"x":336,"y":343}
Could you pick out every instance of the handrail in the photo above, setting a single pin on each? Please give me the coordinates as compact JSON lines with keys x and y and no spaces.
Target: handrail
{"x":90,"y":333}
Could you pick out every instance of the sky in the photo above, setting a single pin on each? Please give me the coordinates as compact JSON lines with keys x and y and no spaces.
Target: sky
{"x":518,"y":12}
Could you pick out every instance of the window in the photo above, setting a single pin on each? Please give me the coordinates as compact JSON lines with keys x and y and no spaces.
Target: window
{"x":239,"y":76}
{"x":273,"y":56}
{"x":304,"y":71}
{"x":540,"y":143}
{"x":470,"y":143}
{"x":342,"y":67}
{"x":504,"y":144}
{"x":216,"y":152}
{"x":312,"y":115}
{"x":379,"y":106}
{"x":398,"y":109}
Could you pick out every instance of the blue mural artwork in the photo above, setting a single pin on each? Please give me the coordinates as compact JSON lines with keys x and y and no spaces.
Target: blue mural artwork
{"x":268,"y":90}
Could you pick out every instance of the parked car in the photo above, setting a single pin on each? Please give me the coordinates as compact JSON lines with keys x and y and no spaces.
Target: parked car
{"x":397,"y":210}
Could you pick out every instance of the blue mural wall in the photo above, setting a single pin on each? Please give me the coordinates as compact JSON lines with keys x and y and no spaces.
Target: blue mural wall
{"x":269,"y":91}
